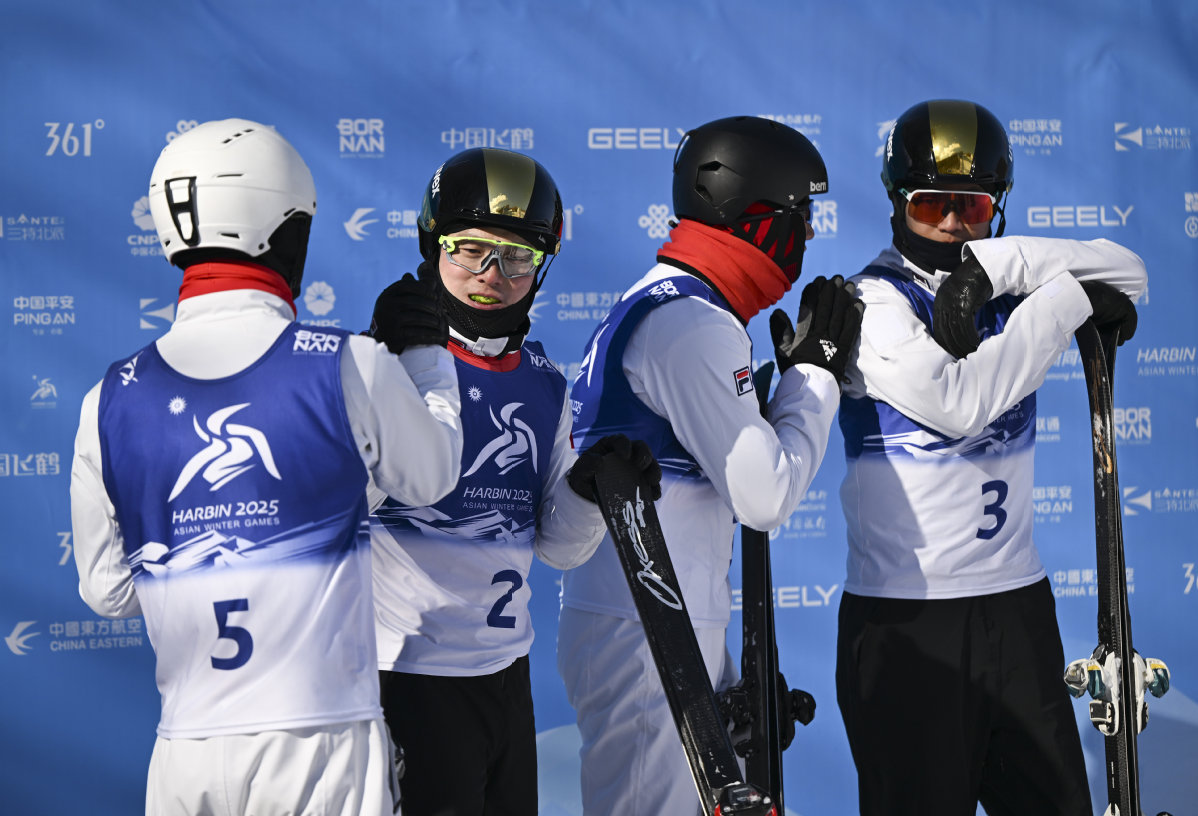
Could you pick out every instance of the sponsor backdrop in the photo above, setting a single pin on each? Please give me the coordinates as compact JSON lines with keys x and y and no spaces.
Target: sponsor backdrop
{"x":1101,"y":102}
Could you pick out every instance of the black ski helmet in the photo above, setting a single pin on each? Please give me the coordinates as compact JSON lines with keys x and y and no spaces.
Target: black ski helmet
{"x":489,"y":187}
{"x":724,"y":166}
{"x":947,"y":141}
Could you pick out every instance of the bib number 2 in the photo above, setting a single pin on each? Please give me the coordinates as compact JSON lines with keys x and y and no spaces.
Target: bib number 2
{"x":494,"y":617}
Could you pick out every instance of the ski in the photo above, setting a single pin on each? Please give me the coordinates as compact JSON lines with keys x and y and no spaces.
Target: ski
{"x":632,"y":521}
{"x":758,"y":704}
{"x":1115,"y":675}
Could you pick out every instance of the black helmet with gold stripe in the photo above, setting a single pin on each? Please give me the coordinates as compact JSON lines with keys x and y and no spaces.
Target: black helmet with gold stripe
{"x":495,"y":188}
{"x":947,"y":141}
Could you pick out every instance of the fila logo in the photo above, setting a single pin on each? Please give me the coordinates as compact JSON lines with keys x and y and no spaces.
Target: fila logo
{"x":229,"y":452}
{"x":744,"y":381}
{"x":316,"y":342}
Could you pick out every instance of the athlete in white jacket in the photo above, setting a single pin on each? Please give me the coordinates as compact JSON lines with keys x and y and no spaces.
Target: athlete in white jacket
{"x":671,"y":364}
{"x":218,"y":489}
{"x":451,"y":577}
{"x":949,"y":658}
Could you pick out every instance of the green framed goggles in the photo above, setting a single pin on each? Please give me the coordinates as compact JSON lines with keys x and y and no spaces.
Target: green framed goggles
{"x":476,"y":254}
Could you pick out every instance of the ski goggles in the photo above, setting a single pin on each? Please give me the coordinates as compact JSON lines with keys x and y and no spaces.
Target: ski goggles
{"x":476,"y":254}
{"x":931,"y":206}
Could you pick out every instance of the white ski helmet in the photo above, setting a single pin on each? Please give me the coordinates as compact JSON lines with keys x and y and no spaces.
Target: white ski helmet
{"x":228,"y":185}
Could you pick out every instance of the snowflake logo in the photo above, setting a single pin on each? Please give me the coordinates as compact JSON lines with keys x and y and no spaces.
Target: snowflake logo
{"x":176,"y":406}
{"x":319,"y":298}
{"x":656,"y":221}
{"x":475,"y":393}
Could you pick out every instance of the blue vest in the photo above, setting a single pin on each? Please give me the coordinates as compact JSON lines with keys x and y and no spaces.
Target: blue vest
{"x":870,"y":426}
{"x":603,"y":401}
{"x":254,"y":468}
{"x":509,"y":423}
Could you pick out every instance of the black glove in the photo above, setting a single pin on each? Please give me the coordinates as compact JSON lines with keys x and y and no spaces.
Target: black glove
{"x":407,"y":313}
{"x":828,"y":325}
{"x":581,"y":477}
{"x":954,"y":312}
{"x":1112,"y":309}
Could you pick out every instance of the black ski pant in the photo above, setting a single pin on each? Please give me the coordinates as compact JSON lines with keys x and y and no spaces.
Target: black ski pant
{"x":469,"y":743}
{"x":955,"y":701}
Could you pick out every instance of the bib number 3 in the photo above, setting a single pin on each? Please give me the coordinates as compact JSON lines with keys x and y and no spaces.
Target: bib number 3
{"x":994,"y":508}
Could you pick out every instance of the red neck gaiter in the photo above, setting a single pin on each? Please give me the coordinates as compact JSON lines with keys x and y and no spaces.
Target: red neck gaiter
{"x":224,"y":276}
{"x":743,"y":274}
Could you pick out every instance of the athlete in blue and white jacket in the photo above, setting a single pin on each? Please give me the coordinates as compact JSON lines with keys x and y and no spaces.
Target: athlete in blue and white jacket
{"x":451,"y":577}
{"x":672,"y":364}
{"x":219,"y":489}
{"x":948,"y":643}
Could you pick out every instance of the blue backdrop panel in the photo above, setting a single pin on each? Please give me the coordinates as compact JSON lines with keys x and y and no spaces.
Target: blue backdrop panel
{"x":1100,"y":99}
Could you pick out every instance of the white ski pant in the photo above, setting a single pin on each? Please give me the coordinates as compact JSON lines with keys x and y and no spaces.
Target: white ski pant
{"x":346,"y":769}
{"x":633,"y":763}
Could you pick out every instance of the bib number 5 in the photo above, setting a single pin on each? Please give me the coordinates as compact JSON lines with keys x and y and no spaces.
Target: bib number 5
{"x":238,"y":634}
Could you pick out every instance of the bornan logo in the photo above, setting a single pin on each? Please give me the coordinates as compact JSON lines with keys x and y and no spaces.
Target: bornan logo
{"x":634,"y":518}
{"x":1133,"y":425}
{"x":312,"y":342}
{"x":360,"y":138}
{"x":229,"y":452}
{"x":514,"y":445}
{"x":18,"y":641}
{"x":664,"y":291}
{"x":355,"y":227}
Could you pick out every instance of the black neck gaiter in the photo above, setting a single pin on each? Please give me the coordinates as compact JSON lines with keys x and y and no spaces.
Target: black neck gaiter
{"x":511,"y":321}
